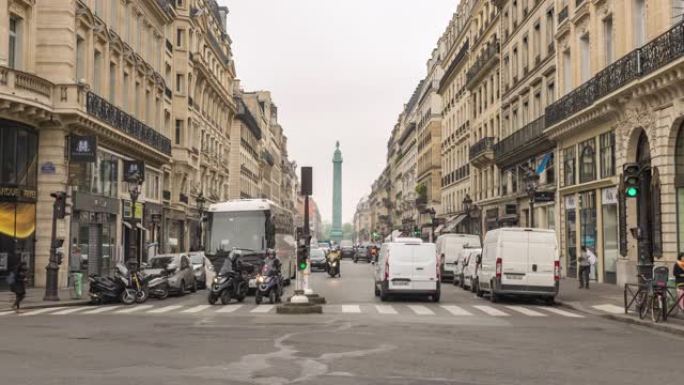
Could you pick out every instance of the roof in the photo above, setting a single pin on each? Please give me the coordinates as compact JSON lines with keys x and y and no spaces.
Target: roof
{"x":242,"y":205}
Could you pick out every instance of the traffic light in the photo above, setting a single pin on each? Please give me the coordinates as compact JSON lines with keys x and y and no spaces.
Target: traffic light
{"x":302,"y":257}
{"x":631,"y":178}
{"x":60,"y":204}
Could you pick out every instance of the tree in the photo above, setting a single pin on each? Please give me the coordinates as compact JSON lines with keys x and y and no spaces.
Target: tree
{"x":347,"y":231}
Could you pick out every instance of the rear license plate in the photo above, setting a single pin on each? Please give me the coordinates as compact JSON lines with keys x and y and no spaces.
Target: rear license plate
{"x":400,"y":283}
{"x":510,"y":276}
{"x":252,"y":283}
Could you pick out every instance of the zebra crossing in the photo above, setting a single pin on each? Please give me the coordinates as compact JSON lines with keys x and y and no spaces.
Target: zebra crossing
{"x":384,"y":310}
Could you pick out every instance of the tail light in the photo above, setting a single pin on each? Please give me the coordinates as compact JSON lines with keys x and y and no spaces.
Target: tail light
{"x":387,"y":268}
{"x":439,"y":271}
{"x":556,"y":270}
{"x":498,"y":268}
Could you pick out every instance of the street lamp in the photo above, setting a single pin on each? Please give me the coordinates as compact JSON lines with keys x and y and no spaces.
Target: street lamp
{"x":200,"y":207}
{"x":467,"y":206}
{"x":431,"y":211}
{"x":531,"y":180}
{"x":134,"y":191}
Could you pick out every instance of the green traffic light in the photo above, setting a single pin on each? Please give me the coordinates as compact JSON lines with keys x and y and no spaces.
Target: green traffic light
{"x":302,"y":266}
{"x":632,"y":192}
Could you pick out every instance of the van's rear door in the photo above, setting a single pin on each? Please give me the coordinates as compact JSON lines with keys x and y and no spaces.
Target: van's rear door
{"x":514,"y":250}
{"x":424,"y":267}
{"x":400,"y":261}
{"x":543,"y":251}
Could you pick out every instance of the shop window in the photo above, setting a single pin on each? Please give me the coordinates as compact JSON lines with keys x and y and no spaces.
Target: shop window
{"x":569,"y":156}
{"x":587,"y":161}
{"x":610,"y":235}
{"x":99,"y":177}
{"x":571,"y":236}
{"x":607,"y":143}
{"x":18,"y":155}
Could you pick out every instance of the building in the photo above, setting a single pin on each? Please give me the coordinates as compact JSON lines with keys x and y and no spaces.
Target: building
{"x":245,"y":158}
{"x":363,"y":225}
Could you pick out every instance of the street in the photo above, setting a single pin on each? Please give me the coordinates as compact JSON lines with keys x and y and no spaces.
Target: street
{"x":358,"y":340}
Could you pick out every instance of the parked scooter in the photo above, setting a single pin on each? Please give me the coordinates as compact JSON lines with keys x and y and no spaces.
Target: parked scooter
{"x":231,"y":281}
{"x":269,"y":285}
{"x":158,"y":285}
{"x":112,"y":289}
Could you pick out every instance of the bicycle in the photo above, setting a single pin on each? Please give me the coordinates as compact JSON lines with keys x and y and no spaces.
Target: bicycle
{"x":650,"y":297}
{"x":675,"y":304}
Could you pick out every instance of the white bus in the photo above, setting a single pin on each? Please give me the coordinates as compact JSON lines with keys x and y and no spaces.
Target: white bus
{"x":252,"y":224}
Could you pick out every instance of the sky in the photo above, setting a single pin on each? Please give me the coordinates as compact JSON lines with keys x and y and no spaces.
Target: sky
{"x":337,"y":70}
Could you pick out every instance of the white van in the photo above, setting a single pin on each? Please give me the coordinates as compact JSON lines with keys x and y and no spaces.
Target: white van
{"x":449,"y":247}
{"x":520,"y":261}
{"x":470,"y":265}
{"x":407,"y":266}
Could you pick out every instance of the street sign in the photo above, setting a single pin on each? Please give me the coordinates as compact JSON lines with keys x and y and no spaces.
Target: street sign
{"x":544,"y":196}
{"x":134,"y":171}
{"x":83,"y":148}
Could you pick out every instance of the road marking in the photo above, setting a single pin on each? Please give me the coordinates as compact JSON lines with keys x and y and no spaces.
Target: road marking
{"x":164,"y":309}
{"x":526,"y":311}
{"x":491,"y":311}
{"x":351,"y":309}
{"x":132,"y":309}
{"x":101,"y":309}
{"x":385,"y":309}
{"x":196,"y":309}
{"x":40,"y":311}
{"x":262,"y":309}
{"x":7,"y":312}
{"x":561,"y":312}
{"x":228,"y":309}
{"x":70,"y":310}
{"x":608,"y":308}
{"x":421,"y":310}
{"x":456,"y":310}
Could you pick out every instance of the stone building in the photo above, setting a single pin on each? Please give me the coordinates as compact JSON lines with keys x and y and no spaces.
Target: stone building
{"x":363,"y":229}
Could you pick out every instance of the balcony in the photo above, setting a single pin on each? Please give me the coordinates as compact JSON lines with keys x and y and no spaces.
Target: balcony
{"x":482,"y":152}
{"x":657,"y":53}
{"x":462,"y":53}
{"x":487,"y":59}
{"x":563,"y":15}
{"x":522,"y":144}
{"x":19,"y":85}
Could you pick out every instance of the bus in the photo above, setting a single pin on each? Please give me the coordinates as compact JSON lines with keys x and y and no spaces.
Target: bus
{"x":254,"y":225}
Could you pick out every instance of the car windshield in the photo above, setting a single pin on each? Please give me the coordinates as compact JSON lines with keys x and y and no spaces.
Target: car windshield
{"x":196,"y":259}
{"x":160,"y":262}
{"x":243,"y":229}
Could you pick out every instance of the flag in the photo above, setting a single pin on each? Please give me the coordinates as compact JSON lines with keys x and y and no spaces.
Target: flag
{"x":544,"y":163}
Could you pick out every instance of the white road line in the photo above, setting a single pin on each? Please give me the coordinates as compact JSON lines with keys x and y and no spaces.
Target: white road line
{"x":262,"y":309}
{"x":609,"y":308}
{"x":526,"y":311}
{"x":228,"y":308}
{"x":196,"y":309}
{"x":7,"y":312}
{"x":132,"y":309}
{"x":421,"y":310}
{"x":351,"y":309}
{"x":385,"y":309}
{"x":164,"y":309}
{"x":561,"y":312}
{"x":70,"y":310}
{"x":101,"y":309}
{"x":40,"y":311}
{"x":491,"y":311}
{"x":456,"y":310}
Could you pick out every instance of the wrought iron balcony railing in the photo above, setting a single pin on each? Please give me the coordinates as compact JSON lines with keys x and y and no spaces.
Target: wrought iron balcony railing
{"x":125,"y":123}
{"x":484,"y":144}
{"x":520,"y":139}
{"x":489,"y":53}
{"x":642,"y":61}
{"x":563,"y":14}
{"x":454,"y":63}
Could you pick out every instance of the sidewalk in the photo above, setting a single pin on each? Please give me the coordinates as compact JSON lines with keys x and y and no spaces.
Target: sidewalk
{"x":607,"y":301}
{"x":34,"y":299}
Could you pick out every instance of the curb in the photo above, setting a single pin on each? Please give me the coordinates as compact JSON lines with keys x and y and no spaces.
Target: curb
{"x":663,"y":327}
{"x":47,"y":305}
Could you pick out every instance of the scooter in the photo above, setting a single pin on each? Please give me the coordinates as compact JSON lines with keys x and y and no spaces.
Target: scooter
{"x":112,"y":289}
{"x":158,"y":285}
{"x":231,"y":282}
{"x":333,"y":268}
{"x":269,"y":284}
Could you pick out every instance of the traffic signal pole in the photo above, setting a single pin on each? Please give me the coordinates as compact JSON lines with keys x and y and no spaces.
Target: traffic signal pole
{"x":52,"y":268}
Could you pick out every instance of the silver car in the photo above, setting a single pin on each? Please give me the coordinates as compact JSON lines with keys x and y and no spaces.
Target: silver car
{"x":179,"y":269}
{"x":199,"y":268}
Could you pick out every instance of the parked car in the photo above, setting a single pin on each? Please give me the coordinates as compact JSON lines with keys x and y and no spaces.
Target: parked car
{"x":362,"y":252}
{"x":199,"y":268}
{"x":520,"y":262}
{"x":448,"y":248}
{"x":317,"y":259}
{"x":181,"y":275}
{"x":347,"y":249}
{"x":472,"y":258}
{"x":407,"y":266}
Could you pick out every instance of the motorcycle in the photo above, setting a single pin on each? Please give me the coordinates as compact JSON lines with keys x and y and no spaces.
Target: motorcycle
{"x":333,"y":267}
{"x":112,"y":289}
{"x":269,"y":284}
{"x":139,"y":284}
{"x":231,"y":282}
{"x":158,"y":285}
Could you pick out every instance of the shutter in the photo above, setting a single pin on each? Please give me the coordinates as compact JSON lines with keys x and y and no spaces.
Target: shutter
{"x":622,"y":217}
{"x":657,"y":230}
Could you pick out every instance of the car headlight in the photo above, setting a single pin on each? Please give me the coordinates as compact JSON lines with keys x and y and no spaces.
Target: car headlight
{"x":216,"y":280}
{"x":260,"y":279}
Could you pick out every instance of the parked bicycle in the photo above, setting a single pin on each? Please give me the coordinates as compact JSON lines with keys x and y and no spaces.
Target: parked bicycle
{"x":650,"y":296}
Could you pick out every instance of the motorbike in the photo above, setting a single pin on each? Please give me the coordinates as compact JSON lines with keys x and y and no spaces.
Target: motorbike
{"x":269,"y":284}
{"x":158,"y":285}
{"x":112,"y":289}
{"x":232,"y":281}
{"x":333,"y":267}
{"x":139,"y":284}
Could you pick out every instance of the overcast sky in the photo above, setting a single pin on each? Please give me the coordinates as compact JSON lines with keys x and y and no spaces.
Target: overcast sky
{"x":338,"y":70}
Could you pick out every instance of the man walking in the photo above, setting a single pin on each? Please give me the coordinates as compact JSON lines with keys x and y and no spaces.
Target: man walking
{"x":584,"y":268}
{"x":18,"y":285}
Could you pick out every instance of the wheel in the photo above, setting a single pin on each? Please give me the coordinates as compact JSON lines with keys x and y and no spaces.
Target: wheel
{"x":377,"y":292}
{"x":461,"y":281}
{"x":164,"y":293}
{"x":642,"y":304}
{"x":383,"y":296}
{"x":141,"y":296}
{"x":656,"y":308}
{"x":241,"y":298}
{"x":272,"y":297}
{"x":435,"y":297}
{"x":212,"y":298}
{"x":454,"y":281}
{"x":128,"y":297}
{"x":257,"y":298}
{"x":225,"y":297}
{"x":356,"y":260}
{"x":182,"y":289}
{"x":549,"y":301}
{"x":478,"y":291}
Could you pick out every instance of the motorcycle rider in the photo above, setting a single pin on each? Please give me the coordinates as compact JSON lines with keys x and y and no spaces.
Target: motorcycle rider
{"x":335,"y":255}
{"x":272,"y":259}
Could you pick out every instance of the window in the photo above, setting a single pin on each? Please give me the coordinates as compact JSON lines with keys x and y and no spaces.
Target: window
{"x":152,"y":185}
{"x":124,"y":92}
{"x":179,"y":131}
{"x":536,"y":41}
{"x":97,"y":71}
{"x":639,"y":12}
{"x":567,"y":72}
{"x":80,"y":58}
{"x":180,"y":37}
{"x":14,"y":42}
{"x":136,"y":107}
{"x":569,"y":156}
{"x":585,"y":57}
{"x":550,"y":171}
{"x":113,"y":13}
{"x":112,"y":83}
{"x":550,"y":92}
{"x":608,"y":40}
{"x":607,"y":145}
{"x":549,"y":31}
{"x":587,"y":160}
{"x":179,"y":83}
{"x":100,"y":177}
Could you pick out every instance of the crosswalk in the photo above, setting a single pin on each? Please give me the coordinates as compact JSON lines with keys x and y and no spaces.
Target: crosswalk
{"x":384,"y":310}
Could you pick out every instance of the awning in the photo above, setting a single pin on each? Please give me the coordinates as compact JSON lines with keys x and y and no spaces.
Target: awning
{"x":451,"y":225}
{"x":439,"y":229}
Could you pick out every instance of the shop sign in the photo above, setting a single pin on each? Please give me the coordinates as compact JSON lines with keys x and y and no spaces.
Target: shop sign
{"x":47,"y":168}
{"x":570,"y":202}
{"x":134,"y":171}
{"x":4,"y":261}
{"x":83,"y":148}
{"x":87,"y":202}
{"x":544,"y":196}
{"x":609,"y":196}
{"x":138,"y":209}
{"x":17,"y":193}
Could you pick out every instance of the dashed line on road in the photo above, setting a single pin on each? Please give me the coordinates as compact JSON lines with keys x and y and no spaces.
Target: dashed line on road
{"x":351,"y":309}
{"x":456,"y":310}
{"x":70,"y":310}
{"x":40,"y":311}
{"x":491,"y":311}
{"x":385,"y":309}
{"x":102,"y":309}
{"x":262,"y":309}
{"x":561,"y":312}
{"x":133,"y":309}
{"x":196,"y":309}
{"x":164,"y":309}
{"x":609,"y":308}
{"x":228,"y":309}
{"x":421,"y":310}
{"x":7,"y":312}
{"x":526,"y":311}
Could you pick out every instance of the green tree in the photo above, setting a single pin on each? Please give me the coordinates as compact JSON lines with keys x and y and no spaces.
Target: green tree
{"x":347,"y":231}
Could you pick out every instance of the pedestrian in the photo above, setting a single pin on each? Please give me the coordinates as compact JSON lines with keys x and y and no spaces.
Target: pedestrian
{"x":678,"y":272}
{"x":584,"y":268}
{"x":18,"y":285}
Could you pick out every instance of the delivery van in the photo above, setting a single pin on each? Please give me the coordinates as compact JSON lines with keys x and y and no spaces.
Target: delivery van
{"x":449,"y":248}
{"x":407,"y":266}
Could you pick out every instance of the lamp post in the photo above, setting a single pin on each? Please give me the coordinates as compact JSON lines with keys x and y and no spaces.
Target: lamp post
{"x":531,"y":180}
{"x":200,"y":207}
{"x":467,"y":206}
{"x":431,"y":211}
{"x":134,"y":191}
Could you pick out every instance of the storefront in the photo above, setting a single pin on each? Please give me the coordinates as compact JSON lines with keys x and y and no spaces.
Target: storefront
{"x":129,"y":225}
{"x":174,"y":231}
{"x":93,"y":233}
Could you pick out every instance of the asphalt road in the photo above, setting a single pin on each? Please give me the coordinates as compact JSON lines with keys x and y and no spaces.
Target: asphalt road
{"x":358,"y":340}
